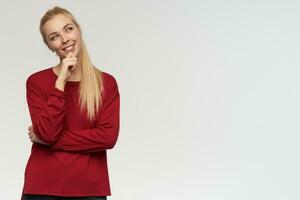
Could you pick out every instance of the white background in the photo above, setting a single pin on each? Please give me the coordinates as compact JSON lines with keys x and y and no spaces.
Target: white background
{"x":210,"y":94}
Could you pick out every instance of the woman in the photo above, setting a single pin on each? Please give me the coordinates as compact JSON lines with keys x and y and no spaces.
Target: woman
{"x":74,"y":109}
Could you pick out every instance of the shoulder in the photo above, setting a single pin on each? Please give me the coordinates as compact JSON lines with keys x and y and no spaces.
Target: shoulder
{"x":39,"y":76}
{"x":41,"y":81}
{"x":110,"y":85}
{"x":108,"y":79}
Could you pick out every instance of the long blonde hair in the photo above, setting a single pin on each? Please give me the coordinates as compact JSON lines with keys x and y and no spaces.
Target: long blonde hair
{"x":91,"y":83}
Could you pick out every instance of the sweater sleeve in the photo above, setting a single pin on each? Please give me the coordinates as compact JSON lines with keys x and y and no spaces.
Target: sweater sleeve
{"x":103,"y":136}
{"x":47,"y":113}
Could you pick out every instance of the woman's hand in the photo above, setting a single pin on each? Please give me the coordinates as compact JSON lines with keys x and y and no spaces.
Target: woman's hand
{"x":34,"y":138}
{"x":68,"y":65}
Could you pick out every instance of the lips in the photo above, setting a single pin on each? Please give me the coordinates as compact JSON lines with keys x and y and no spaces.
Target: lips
{"x":69,"y":48}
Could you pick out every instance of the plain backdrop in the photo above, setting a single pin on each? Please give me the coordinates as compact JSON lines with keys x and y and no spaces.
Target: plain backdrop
{"x":210,"y":94}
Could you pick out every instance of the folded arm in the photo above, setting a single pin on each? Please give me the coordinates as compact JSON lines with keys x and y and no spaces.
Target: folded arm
{"x":46,"y":112}
{"x":103,"y":136}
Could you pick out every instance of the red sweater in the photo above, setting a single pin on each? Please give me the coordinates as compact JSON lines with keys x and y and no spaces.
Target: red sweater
{"x":74,"y":164}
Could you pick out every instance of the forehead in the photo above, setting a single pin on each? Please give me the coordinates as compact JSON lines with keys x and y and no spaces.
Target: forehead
{"x":56,"y":23}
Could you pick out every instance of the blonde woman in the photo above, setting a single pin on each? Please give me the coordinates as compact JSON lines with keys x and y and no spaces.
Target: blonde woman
{"x":74,"y":109}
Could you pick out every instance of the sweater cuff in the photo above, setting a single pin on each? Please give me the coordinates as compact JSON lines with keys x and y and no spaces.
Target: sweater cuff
{"x":58,"y":93}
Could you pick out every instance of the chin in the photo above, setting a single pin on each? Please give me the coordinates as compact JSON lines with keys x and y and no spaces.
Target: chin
{"x":64,"y":54}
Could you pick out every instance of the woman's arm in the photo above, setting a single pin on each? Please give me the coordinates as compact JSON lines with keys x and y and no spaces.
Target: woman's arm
{"x":34,"y":138}
{"x":46,"y":114}
{"x":102,"y":137}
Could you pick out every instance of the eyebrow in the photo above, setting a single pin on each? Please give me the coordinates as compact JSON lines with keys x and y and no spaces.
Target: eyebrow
{"x":63,"y":28}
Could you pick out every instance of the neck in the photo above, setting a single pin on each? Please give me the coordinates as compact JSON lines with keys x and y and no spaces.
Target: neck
{"x":76,"y":74}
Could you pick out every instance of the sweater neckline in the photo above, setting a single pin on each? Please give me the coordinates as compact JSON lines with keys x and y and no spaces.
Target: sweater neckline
{"x":68,"y":82}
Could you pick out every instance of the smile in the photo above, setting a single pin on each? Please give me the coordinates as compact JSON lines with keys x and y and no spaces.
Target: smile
{"x":69,"y":48}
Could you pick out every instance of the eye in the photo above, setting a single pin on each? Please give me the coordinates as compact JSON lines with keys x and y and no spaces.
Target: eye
{"x":69,"y":29}
{"x":54,"y":37}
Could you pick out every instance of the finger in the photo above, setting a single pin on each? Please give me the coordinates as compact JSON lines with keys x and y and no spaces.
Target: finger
{"x":72,"y":59}
{"x":73,"y":68}
{"x":72,"y":62}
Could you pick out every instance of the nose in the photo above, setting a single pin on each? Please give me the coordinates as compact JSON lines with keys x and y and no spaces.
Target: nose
{"x":64,"y":38}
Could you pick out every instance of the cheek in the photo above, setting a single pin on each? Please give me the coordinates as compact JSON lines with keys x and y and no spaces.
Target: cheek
{"x":55,"y":46}
{"x":76,"y":35}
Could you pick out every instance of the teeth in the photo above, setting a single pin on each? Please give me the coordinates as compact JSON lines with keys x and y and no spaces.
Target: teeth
{"x":70,"y":48}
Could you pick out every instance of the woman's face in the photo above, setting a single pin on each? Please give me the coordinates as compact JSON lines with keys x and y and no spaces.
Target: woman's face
{"x":62,"y":36}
